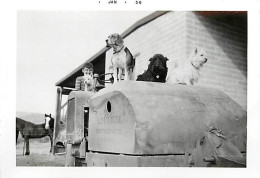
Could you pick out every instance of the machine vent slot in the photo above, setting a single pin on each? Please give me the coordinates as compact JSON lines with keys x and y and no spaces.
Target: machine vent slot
{"x":86,"y":124}
{"x":108,"y":107}
{"x":71,"y":115}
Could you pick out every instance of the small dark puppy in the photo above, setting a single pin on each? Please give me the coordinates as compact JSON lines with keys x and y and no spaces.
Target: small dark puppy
{"x":157,"y":70}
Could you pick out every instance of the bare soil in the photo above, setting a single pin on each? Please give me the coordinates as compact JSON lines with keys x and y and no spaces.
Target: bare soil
{"x":39,"y":156}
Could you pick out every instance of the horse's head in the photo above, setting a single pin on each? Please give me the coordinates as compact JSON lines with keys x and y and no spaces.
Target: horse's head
{"x":49,"y":122}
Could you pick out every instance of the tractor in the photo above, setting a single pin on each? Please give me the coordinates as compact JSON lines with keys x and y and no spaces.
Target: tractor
{"x":149,"y":124}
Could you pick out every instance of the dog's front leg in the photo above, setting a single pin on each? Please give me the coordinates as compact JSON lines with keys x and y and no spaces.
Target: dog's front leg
{"x":27,"y":151}
{"x":120,"y":71}
{"x":115,"y":74}
{"x":126,"y":74}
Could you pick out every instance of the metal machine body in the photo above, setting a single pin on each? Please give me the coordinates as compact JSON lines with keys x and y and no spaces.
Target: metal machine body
{"x":77,"y":126}
{"x":155,"y":124}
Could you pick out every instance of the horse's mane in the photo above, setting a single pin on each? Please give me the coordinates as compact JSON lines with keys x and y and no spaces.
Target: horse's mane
{"x":19,"y":119}
{"x":27,"y":122}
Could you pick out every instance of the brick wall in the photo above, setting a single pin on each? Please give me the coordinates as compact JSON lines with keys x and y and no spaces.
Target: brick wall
{"x":175,"y":34}
{"x":226,"y":48}
{"x":164,"y":35}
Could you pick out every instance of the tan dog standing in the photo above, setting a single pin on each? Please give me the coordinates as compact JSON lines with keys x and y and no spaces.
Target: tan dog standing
{"x":188,"y":71}
{"x":122,"y":59}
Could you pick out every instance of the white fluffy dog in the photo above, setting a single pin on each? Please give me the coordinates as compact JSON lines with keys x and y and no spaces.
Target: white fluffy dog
{"x":187,"y":72}
{"x":89,"y":82}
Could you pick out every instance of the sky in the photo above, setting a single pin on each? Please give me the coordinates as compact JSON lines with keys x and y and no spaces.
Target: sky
{"x":51,"y":44}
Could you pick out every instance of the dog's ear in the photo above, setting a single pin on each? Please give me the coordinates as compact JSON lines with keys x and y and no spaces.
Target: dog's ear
{"x":166,"y":59}
{"x":196,"y":50}
{"x":151,"y":59}
{"x":119,"y":40}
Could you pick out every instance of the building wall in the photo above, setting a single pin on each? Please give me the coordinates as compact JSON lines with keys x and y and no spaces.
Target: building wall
{"x":176,"y":34}
{"x":226,"y":48}
{"x":164,"y":35}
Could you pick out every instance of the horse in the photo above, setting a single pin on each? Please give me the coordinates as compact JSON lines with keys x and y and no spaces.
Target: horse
{"x":30,"y":130}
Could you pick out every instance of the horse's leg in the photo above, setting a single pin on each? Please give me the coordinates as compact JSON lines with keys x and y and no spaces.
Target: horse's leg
{"x":23,"y":146}
{"x":17,"y":134}
{"x":27,"y":152}
{"x":51,"y":143}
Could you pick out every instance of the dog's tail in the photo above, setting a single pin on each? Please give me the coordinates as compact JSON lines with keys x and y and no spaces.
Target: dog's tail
{"x":136,"y":55}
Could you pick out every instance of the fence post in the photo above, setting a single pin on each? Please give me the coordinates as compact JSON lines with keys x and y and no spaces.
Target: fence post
{"x":57,"y":120}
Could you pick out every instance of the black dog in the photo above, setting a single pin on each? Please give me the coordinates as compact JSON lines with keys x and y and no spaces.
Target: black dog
{"x":157,"y":70}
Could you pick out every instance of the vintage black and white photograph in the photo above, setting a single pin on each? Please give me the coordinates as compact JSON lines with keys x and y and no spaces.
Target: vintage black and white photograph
{"x":161,"y":91}
{"x":167,"y":90}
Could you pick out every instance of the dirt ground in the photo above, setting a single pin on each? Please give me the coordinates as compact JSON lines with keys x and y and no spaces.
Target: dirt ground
{"x":39,"y":156}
